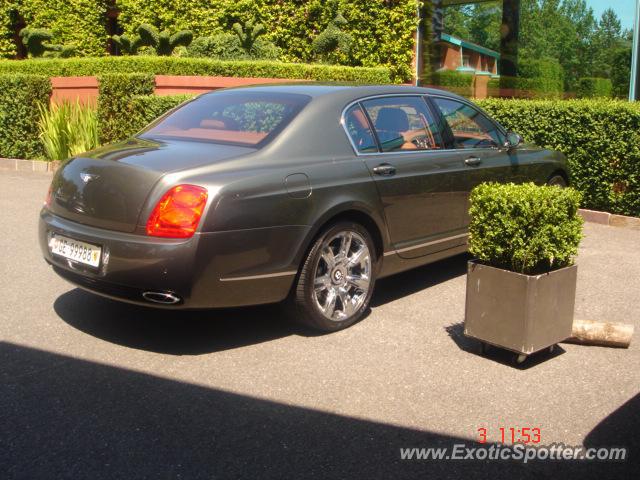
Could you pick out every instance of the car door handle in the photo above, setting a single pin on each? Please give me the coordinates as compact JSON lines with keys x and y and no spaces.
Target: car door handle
{"x":473,"y":161}
{"x":384,"y":169}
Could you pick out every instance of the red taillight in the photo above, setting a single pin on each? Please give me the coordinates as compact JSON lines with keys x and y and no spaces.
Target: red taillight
{"x":47,"y":199}
{"x":178,"y":212}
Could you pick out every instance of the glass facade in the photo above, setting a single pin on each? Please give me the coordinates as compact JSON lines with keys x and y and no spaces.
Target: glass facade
{"x":535,"y":48}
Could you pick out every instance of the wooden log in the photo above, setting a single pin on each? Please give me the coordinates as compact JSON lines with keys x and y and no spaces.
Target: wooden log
{"x":606,"y":334}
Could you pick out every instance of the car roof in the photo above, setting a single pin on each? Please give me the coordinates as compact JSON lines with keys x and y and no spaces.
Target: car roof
{"x":341,"y":91}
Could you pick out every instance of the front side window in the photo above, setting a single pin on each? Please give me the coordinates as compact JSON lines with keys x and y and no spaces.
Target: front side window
{"x":470,"y":128}
{"x":359,"y":131}
{"x":403,"y":123}
{"x":240,"y":118}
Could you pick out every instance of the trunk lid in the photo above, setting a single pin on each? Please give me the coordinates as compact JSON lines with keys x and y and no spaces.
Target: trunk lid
{"x":108,"y":187}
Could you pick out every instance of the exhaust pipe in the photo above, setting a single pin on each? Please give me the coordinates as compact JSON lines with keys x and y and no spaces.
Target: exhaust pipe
{"x":161,"y":297}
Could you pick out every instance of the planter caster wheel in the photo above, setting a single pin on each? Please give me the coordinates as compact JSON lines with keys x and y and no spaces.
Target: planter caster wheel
{"x":484,"y":348}
{"x":520,"y":359}
{"x":552,"y":348}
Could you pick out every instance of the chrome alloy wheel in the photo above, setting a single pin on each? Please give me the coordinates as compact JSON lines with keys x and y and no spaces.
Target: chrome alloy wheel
{"x":342,"y":275}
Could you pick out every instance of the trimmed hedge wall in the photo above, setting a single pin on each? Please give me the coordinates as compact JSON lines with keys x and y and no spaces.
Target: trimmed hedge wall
{"x":457,"y":82}
{"x":601,"y":139}
{"x":593,"y":87}
{"x":382,"y":29}
{"x":532,"y":87}
{"x":81,"y":23}
{"x":20,"y":96}
{"x":115,"y":119}
{"x":70,"y":67}
{"x":537,"y":78}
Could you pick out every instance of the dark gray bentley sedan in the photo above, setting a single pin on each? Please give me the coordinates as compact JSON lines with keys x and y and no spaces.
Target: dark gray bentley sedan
{"x":299,"y":193}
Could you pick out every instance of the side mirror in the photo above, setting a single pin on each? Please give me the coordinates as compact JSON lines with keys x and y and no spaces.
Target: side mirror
{"x":513,"y":140}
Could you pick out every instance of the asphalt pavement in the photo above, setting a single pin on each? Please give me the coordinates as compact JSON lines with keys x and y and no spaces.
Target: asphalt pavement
{"x":91,"y":388}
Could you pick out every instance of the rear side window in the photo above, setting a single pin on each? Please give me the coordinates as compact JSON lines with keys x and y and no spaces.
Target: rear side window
{"x":470,"y":128}
{"x":403,"y":123}
{"x":240,"y":118}
{"x":359,"y":131}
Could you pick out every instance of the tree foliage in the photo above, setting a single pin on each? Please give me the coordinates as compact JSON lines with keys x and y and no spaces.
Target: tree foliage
{"x":564,"y":30}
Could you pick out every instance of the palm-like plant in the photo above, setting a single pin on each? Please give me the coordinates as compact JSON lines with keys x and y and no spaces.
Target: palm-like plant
{"x":163,"y":42}
{"x":67,"y":129}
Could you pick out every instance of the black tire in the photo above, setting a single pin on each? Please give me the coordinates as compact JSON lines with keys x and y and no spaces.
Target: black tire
{"x":557,"y":181}
{"x":303,"y":305}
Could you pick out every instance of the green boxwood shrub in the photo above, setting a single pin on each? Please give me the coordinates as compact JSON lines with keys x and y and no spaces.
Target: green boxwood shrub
{"x":20,"y":99}
{"x":600,"y":137}
{"x":457,"y":82}
{"x":524,"y":228}
{"x":69,"y":67}
{"x":115,"y":119}
{"x":592,"y":87}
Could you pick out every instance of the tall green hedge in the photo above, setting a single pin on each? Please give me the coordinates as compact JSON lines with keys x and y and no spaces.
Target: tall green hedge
{"x":539,"y":87}
{"x":20,"y":96}
{"x":601,"y":139}
{"x":593,"y":87}
{"x":193,"y":66}
{"x":382,"y":30}
{"x":115,"y":119}
{"x":78,"y":22}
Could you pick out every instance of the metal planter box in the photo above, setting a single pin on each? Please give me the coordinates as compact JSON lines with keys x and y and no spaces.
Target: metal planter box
{"x":522,"y":313}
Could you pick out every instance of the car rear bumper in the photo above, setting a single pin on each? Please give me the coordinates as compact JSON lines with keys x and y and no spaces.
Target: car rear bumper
{"x":209,"y":270}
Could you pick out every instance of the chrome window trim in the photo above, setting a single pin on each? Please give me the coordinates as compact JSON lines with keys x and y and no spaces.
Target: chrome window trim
{"x":411,"y":152}
{"x":259,"y":277}
{"x":426,"y":244}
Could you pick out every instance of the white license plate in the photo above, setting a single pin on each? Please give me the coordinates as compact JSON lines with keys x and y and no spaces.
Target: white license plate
{"x":75,"y":250}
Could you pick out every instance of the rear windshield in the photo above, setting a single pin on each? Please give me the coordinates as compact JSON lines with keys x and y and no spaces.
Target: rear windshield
{"x":233,"y":117}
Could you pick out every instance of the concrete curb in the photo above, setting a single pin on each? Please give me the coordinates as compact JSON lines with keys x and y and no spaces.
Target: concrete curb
{"x":610,"y":219}
{"x":17,"y":164}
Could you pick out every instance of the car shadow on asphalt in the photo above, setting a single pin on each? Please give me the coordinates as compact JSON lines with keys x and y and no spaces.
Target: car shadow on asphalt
{"x":402,"y":284}
{"x":496,"y":354}
{"x":195,"y":332}
{"x":64,"y":417}
{"x":173,"y":332}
